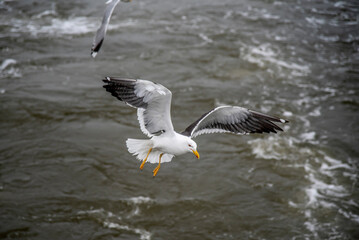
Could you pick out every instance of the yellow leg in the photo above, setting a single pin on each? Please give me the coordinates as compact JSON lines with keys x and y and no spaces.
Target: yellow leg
{"x":144,"y":161}
{"x":155,"y":171}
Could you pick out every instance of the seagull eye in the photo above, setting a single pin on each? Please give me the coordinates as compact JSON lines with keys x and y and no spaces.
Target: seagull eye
{"x":189,"y":145}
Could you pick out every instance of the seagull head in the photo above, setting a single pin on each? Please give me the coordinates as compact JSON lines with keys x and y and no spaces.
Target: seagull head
{"x":192,"y":147}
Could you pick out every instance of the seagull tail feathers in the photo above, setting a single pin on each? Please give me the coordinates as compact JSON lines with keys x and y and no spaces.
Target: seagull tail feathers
{"x":140,"y":148}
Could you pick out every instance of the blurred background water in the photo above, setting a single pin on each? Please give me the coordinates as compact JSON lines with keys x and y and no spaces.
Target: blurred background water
{"x":65,"y":172}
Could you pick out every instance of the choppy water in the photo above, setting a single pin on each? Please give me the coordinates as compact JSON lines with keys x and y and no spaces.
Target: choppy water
{"x":65,"y":172}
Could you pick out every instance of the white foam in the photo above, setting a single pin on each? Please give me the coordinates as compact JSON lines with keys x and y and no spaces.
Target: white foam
{"x":45,"y":13}
{"x":90,"y":212}
{"x":71,"y":26}
{"x":205,"y":38}
{"x":329,"y":38}
{"x":144,"y":235}
{"x":59,"y":26}
{"x":313,"y":195}
{"x":316,"y":112}
{"x":308,"y":136}
{"x":270,"y":16}
{"x":280,"y":38}
{"x":323,"y":188}
{"x":311,"y":224}
{"x":257,"y":13}
{"x":127,"y":23}
{"x":349,"y":215}
{"x":100,"y":213}
{"x":273,"y":147}
{"x":111,"y":220}
{"x":315,"y":21}
{"x":141,"y":200}
{"x":6,"y":63}
{"x":287,"y":114}
{"x":292,"y":204}
{"x":326,"y":167}
{"x":137,"y":201}
{"x":263,"y":55}
{"x":7,"y":70}
{"x":340,"y":4}
{"x":228,"y":14}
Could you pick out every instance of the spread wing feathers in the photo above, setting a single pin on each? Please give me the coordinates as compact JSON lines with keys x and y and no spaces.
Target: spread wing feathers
{"x":233,"y":119}
{"x":152,"y":100}
{"x":101,"y":32}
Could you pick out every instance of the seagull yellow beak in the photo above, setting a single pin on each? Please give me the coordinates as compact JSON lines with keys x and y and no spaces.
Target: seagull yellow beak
{"x":196,"y":153}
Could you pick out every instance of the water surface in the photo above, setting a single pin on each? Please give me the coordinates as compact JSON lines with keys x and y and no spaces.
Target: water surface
{"x":65,"y":172}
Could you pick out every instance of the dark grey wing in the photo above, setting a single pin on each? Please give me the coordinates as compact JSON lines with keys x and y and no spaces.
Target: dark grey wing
{"x":101,"y":32}
{"x":152,"y":100}
{"x":233,"y":119}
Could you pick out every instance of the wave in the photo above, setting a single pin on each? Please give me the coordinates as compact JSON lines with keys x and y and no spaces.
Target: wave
{"x":116,"y":221}
{"x":321,"y":188}
{"x":266,"y":56}
{"x":48,"y":24}
{"x":56,"y":26}
{"x":8,"y":69}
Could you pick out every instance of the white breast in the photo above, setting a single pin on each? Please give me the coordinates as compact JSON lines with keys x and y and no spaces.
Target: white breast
{"x":175,"y":144}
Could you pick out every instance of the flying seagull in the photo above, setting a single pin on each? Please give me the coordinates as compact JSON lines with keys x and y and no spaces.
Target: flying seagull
{"x":101,"y":32}
{"x":153,"y":103}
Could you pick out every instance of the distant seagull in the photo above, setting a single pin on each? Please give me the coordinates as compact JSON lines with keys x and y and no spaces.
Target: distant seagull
{"x":153,"y":103}
{"x":101,"y":32}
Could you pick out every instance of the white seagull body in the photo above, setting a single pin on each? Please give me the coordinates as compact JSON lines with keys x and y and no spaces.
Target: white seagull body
{"x":101,"y":31}
{"x":153,"y":103}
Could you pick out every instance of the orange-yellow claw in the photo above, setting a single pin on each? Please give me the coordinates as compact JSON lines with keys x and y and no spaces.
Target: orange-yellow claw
{"x":155,"y":171}
{"x":144,"y":161}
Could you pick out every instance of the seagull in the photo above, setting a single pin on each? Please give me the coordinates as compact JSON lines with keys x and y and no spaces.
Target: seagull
{"x":153,"y":103}
{"x":101,"y":32}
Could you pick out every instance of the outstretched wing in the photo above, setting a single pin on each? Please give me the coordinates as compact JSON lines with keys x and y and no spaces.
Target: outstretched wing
{"x":152,"y":100}
{"x":233,"y":119}
{"x":101,"y":32}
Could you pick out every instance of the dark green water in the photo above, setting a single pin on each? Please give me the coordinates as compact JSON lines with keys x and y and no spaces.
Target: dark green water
{"x":65,"y":172}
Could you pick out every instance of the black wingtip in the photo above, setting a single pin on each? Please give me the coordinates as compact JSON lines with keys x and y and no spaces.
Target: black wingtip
{"x":96,"y":48}
{"x":284,"y":121}
{"x":111,"y":88}
{"x":119,"y":80}
{"x":106,"y":80}
{"x":271,"y":118}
